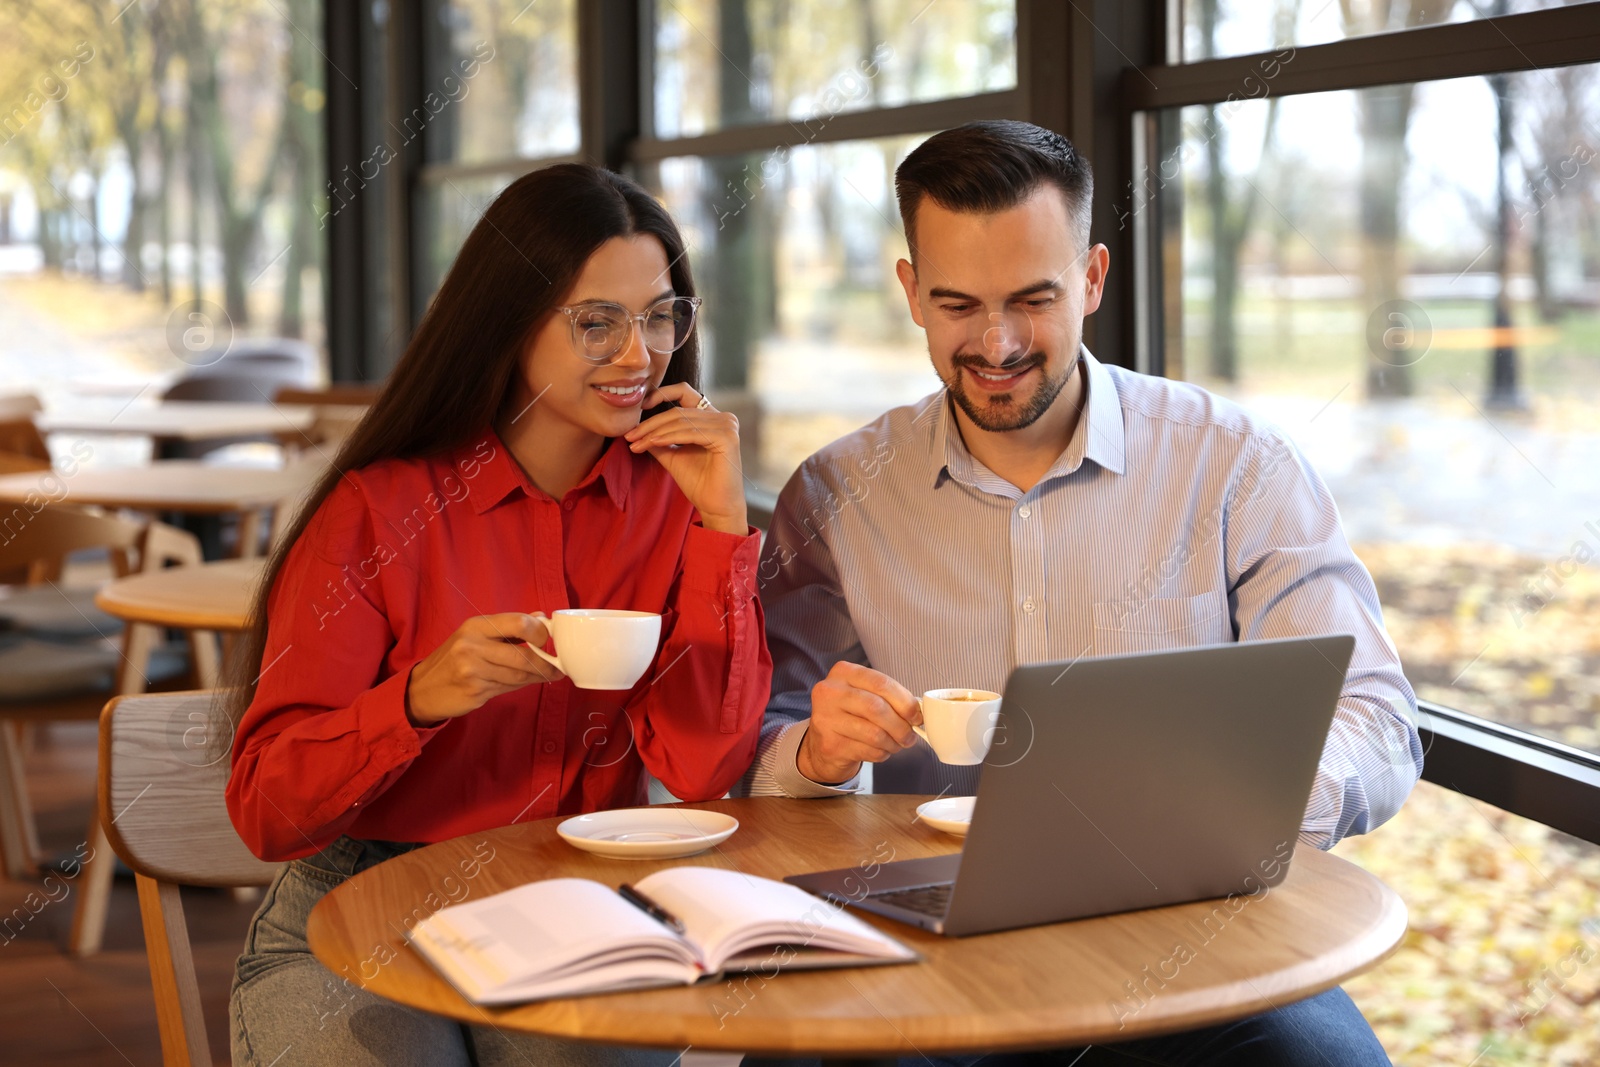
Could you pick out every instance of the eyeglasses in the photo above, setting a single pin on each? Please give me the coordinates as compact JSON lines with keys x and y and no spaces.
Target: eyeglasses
{"x":601,"y":329}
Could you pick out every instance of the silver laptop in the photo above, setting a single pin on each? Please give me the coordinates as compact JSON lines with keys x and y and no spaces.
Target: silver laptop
{"x":1126,"y":782}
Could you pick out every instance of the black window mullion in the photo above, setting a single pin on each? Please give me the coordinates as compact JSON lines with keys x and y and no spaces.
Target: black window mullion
{"x":1552,"y":37}
{"x":347,"y":294}
{"x":609,"y":71}
{"x":846,"y":126}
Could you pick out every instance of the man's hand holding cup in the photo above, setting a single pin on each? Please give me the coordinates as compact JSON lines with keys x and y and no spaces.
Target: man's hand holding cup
{"x":858,"y":715}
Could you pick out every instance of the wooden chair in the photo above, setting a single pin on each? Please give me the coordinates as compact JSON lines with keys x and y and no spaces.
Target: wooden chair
{"x":52,"y":673}
{"x":20,"y":437}
{"x":338,"y":410}
{"x":346,"y":394}
{"x":17,"y":463}
{"x":20,"y":463}
{"x":19,"y":406}
{"x":161,"y":803}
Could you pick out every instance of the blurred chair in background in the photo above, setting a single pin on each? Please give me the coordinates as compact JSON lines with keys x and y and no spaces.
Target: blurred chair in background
{"x":339,"y":410}
{"x":20,"y":437}
{"x":60,"y":658}
{"x":19,"y":406}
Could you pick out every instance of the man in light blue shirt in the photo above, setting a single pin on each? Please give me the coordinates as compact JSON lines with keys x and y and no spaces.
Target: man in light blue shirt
{"x":1045,"y":506}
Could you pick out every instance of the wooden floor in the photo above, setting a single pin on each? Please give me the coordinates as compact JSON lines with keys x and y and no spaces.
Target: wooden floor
{"x":59,"y":1010}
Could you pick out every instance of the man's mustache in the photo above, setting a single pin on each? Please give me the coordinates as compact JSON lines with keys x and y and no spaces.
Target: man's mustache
{"x":967,"y":359}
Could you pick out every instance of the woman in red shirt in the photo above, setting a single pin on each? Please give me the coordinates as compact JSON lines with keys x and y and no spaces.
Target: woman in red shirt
{"x":387,"y":698}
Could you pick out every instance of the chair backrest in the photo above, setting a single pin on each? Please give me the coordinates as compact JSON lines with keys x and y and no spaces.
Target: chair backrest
{"x":18,"y":463}
{"x":342,"y":393}
{"x":36,"y":544}
{"x":158,"y":749}
{"x":19,"y":435}
{"x":248,"y":384}
{"x":19,"y":406}
{"x":287,"y":349}
{"x":161,"y":803}
{"x":41,"y":540}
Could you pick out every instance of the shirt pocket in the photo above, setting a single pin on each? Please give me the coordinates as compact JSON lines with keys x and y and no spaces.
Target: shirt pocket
{"x":1157,"y":623}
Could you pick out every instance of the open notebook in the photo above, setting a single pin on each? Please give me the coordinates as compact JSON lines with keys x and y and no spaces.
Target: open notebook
{"x":568,"y":936}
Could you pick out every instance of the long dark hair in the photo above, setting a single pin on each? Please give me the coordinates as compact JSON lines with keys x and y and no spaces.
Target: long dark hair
{"x":517,"y":264}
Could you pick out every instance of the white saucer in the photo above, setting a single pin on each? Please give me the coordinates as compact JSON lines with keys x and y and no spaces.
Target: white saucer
{"x":647,"y":833}
{"x":951,"y":814}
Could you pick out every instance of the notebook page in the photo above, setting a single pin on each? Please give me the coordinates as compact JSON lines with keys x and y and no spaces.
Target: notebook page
{"x":726,"y":912}
{"x":545,"y":930}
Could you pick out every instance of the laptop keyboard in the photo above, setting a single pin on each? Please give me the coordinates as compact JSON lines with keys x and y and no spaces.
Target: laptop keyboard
{"x":933,"y":900}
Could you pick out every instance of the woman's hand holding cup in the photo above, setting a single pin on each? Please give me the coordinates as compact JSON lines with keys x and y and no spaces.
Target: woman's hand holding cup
{"x":486,"y":657}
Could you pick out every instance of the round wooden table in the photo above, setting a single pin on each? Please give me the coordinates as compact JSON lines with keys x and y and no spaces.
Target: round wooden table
{"x":1097,"y":980}
{"x":210,"y":596}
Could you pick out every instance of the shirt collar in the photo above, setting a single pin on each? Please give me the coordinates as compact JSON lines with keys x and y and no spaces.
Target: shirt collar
{"x":491,"y":474}
{"x":1099,"y":436}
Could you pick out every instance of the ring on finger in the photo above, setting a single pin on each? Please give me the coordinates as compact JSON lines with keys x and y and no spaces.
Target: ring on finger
{"x":705,"y":402}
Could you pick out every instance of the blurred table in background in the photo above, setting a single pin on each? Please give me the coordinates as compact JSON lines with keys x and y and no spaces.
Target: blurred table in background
{"x":179,"y":420}
{"x":212,"y":597}
{"x":185,"y":486}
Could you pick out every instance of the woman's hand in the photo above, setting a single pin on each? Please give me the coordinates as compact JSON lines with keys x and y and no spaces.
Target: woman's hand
{"x":486,"y":657}
{"x":699,"y":447}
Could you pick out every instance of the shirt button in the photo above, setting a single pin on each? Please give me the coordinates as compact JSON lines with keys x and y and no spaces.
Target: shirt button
{"x":1028,"y":605}
{"x":741,"y":566}
{"x":567,"y":504}
{"x":549,"y":747}
{"x":1024,"y":511}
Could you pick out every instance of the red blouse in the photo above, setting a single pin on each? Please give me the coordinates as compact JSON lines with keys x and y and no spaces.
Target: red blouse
{"x":404,"y":551}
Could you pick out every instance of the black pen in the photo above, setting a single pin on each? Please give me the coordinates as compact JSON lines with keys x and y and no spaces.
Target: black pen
{"x":650,"y":908}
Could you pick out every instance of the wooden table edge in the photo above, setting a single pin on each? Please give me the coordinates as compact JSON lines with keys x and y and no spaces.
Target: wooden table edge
{"x":176,"y":618}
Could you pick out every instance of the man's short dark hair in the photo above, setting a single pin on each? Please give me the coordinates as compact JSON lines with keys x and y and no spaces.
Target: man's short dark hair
{"x":990,"y":166}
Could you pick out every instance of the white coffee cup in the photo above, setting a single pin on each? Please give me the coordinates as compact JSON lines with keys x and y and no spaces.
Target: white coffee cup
{"x":959,"y":724}
{"x":602,"y":648}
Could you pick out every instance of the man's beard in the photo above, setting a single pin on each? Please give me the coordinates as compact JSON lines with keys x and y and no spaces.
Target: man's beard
{"x":1000,"y":411}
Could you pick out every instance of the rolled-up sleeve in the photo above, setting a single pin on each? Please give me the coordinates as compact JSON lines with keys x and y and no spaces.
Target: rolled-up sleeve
{"x":1292,"y":572}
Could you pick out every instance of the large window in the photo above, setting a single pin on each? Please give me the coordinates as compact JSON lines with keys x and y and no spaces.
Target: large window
{"x":498,"y":97}
{"x":511,"y":72}
{"x":794,"y":243}
{"x":161,"y":178}
{"x":793,"y":236}
{"x":795,"y":251}
{"x":1407,"y":279}
{"x":723,"y":63}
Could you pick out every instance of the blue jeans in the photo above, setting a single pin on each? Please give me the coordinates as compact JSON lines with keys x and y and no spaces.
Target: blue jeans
{"x":1326,"y":1030}
{"x":1323,"y":1031}
{"x":288,"y":1009}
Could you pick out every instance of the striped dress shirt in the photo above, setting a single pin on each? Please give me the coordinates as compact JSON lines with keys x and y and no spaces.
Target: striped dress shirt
{"x":1173,"y":518}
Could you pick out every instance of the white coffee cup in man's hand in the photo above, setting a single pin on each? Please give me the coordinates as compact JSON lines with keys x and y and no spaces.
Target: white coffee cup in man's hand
{"x":959,"y":724}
